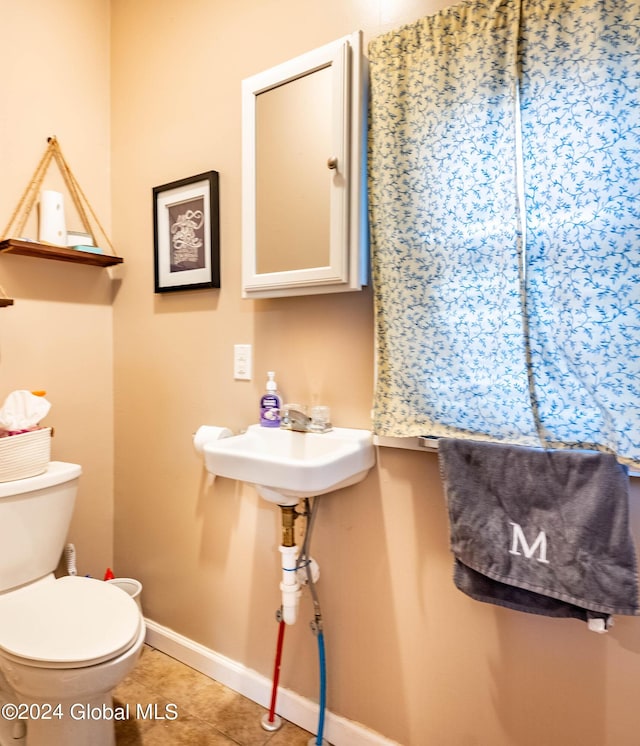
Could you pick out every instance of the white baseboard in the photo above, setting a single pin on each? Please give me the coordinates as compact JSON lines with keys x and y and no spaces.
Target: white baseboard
{"x":291,"y":706}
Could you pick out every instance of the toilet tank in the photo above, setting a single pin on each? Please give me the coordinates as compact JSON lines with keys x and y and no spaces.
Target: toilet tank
{"x":35,"y":514}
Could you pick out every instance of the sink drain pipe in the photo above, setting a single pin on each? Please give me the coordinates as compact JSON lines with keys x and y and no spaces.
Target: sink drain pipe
{"x":290,"y":587}
{"x":288,"y":611}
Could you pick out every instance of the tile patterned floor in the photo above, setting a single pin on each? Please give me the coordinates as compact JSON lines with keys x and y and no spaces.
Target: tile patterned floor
{"x":208,"y":714}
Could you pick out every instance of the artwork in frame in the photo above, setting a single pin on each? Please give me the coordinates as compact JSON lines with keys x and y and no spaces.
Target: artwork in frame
{"x":186,"y":233}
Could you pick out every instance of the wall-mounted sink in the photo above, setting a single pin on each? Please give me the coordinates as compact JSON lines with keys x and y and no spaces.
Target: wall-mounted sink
{"x":285,"y":465}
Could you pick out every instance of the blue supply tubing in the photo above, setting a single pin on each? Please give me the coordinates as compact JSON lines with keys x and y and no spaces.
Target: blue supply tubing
{"x":316,"y":626}
{"x":323,"y":687}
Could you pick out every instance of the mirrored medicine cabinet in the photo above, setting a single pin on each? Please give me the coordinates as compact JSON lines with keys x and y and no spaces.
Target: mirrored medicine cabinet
{"x":304,"y":174}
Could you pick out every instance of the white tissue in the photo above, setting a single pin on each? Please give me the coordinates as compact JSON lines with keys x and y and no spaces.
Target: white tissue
{"x":207,"y":433}
{"x":53,"y":227}
{"x":23,"y":410}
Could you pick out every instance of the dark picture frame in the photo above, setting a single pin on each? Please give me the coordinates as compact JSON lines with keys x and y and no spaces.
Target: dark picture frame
{"x":186,"y":233}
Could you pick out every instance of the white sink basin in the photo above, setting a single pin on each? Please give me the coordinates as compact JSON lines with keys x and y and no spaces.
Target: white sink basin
{"x":286,"y":465}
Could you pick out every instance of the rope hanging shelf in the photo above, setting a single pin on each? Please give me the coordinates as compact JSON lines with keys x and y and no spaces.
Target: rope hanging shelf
{"x":59,"y":253}
{"x":4,"y":298}
{"x":41,"y":250}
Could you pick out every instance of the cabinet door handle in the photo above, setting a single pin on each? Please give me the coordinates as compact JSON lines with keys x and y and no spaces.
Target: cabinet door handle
{"x":332,"y":162}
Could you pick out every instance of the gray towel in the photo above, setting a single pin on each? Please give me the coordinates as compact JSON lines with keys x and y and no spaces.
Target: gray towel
{"x":545,"y":532}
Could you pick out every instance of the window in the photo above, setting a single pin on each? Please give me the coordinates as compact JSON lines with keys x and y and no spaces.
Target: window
{"x":505,"y":224}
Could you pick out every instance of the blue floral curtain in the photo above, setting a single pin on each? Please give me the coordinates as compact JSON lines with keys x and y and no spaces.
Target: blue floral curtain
{"x":580,"y":108}
{"x":505,"y":227}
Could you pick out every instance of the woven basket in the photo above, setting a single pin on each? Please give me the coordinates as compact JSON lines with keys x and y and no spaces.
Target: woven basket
{"x":25,"y":455}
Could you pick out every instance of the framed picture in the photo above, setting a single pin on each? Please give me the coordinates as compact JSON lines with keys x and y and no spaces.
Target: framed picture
{"x":186,"y":234}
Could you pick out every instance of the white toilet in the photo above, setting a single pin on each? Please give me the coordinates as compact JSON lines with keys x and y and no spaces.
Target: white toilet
{"x":64,"y":643}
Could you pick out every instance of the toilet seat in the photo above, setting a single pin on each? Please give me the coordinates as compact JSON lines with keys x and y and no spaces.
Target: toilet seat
{"x":70,"y":622}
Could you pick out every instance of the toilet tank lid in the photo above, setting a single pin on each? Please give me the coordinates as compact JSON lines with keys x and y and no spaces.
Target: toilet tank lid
{"x":57,"y":472}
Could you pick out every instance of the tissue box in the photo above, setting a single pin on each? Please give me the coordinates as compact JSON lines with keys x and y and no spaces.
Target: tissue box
{"x":25,"y":455}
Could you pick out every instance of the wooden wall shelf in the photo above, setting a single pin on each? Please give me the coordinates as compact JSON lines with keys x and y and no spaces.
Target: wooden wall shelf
{"x":58,"y":253}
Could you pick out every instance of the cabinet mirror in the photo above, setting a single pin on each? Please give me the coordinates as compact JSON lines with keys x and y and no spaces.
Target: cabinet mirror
{"x":303,"y":174}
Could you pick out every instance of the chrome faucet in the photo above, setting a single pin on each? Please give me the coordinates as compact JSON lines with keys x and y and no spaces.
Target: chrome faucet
{"x":299,"y":421}
{"x":294,"y":419}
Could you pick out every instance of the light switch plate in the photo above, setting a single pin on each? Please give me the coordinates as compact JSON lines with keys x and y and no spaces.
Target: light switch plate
{"x":242,"y":362}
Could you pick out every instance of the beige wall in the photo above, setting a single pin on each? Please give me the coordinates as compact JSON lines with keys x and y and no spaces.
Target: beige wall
{"x":58,"y":335}
{"x":408,"y":655}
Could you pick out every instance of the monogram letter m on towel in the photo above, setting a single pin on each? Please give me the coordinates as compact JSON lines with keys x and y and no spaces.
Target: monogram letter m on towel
{"x":545,"y":532}
{"x":519,"y":540}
